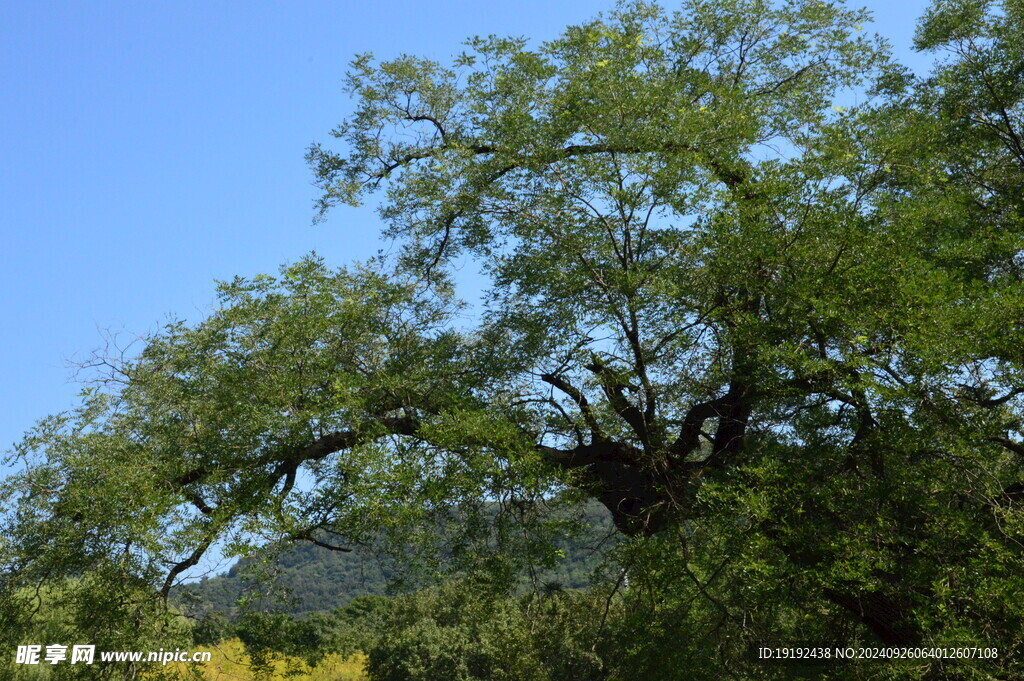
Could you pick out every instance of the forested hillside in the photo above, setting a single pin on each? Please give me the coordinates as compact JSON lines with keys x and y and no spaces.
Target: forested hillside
{"x":308,"y":578}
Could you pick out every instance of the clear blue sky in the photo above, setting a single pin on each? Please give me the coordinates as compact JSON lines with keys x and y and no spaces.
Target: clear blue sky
{"x":149,"y":148}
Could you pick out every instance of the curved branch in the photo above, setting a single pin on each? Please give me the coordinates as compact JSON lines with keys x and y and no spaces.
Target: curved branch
{"x":579,"y":398}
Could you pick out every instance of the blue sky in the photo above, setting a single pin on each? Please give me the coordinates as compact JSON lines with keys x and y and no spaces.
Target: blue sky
{"x":149,"y":148}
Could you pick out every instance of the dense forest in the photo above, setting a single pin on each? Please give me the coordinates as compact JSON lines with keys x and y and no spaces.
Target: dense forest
{"x":307,"y":578}
{"x":738,"y":276}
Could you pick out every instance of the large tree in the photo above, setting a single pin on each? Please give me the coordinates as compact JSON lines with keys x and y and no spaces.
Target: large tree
{"x":776,"y":333}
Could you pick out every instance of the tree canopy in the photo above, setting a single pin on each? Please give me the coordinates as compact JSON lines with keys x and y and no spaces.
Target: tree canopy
{"x":744,"y":280}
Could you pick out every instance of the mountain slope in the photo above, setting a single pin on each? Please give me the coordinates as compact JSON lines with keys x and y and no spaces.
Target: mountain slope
{"x":315,"y":579}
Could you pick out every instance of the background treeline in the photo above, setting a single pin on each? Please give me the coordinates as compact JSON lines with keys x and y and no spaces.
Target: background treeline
{"x":306,"y":578}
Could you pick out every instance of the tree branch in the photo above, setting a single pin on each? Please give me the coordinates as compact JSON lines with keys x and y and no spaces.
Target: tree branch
{"x":579,"y":398}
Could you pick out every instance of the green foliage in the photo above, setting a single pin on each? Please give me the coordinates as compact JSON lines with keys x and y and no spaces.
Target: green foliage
{"x":776,"y":335}
{"x":467,"y":631}
{"x":277,"y":640}
{"x":265,"y":634}
{"x":211,"y":628}
{"x":87,"y":610}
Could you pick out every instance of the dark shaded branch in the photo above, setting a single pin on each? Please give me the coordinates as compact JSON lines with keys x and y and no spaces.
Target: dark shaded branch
{"x":650,"y":399}
{"x":693,"y":423}
{"x":886,"y":617}
{"x":189,"y":562}
{"x":731,"y":409}
{"x":730,"y":175}
{"x":1015,"y":447}
{"x":585,"y":455}
{"x":995,"y":401}
{"x":614,"y":389}
{"x":437,"y":124}
{"x":308,"y":536}
{"x":730,"y":437}
{"x":449,"y":220}
{"x":197,"y":501}
{"x":579,"y":398}
{"x":288,"y":464}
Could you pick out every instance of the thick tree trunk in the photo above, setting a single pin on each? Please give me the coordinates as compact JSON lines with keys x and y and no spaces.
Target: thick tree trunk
{"x":886,"y":617}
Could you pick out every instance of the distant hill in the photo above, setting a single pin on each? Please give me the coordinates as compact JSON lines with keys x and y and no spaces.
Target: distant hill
{"x":318,"y":579}
{"x":314,"y":579}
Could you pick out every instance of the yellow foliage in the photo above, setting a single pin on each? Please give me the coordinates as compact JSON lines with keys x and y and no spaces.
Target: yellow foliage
{"x":231,"y":663}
